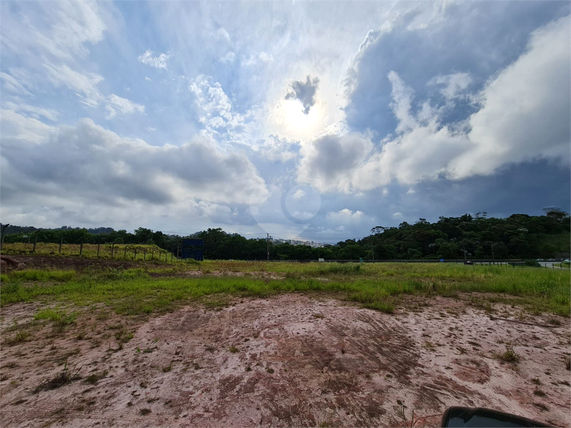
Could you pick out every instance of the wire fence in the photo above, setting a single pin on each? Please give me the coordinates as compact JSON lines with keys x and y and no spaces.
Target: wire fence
{"x":101,"y":251}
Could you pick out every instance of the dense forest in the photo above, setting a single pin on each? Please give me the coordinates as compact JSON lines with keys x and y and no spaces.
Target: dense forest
{"x":519,"y":236}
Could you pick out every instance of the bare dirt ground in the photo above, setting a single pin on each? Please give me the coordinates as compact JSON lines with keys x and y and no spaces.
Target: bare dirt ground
{"x":289,"y":360}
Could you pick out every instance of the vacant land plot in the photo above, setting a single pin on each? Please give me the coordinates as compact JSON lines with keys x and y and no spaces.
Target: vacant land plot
{"x":231,"y":343}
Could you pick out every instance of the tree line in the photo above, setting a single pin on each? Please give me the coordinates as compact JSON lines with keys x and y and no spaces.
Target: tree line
{"x":519,"y":236}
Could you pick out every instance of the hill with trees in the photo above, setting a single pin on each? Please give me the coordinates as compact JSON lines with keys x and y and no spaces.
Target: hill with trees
{"x":519,"y":236}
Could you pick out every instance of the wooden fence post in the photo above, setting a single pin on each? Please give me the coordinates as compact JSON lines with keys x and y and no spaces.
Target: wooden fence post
{"x":35,"y":242}
{"x":144,"y":254}
{"x":80,"y":248}
{"x":135,"y":254}
{"x":112,"y":248}
{"x":125,"y":252}
{"x":98,"y":245}
{"x":60,"y":242}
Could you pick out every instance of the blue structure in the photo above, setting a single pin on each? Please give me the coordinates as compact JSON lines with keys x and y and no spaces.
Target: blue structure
{"x":193,"y":249}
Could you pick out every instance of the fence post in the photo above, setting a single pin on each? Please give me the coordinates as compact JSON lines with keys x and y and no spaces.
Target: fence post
{"x":60,"y":242}
{"x":125,"y":252}
{"x":4,"y":226}
{"x":80,"y":248}
{"x":135,"y":254}
{"x":112,"y":248}
{"x":35,"y":242}
{"x":98,"y":244}
{"x":144,"y":254}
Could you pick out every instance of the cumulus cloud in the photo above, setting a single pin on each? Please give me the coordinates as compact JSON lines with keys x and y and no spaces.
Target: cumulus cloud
{"x":89,"y":164}
{"x":304,"y":92}
{"x":345,"y":216}
{"x":298,"y":194}
{"x":524,"y":115}
{"x":452,"y":85}
{"x":329,"y":163}
{"x":526,"y":109}
{"x":159,"y":61}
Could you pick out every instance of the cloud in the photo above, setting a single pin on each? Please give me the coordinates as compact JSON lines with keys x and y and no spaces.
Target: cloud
{"x":452,"y":85}
{"x":84,"y":84}
{"x":345,"y":216}
{"x":122,"y":105}
{"x":10,"y":83}
{"x":59,"y":31}
{"x":524,"y":115}
{"x":91,"y":165}
{"x":159,"y":61}
{"x":229,"y":57}
{"x":525,"y":110}
{"x":438,"y":39}
{"x":33,"y":111}
{"x":304,"y":92}
{"x":329,"y":162}
{"x":298,"y":194}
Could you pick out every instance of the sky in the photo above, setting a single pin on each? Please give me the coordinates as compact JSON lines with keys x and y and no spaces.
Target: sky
{"x":305,"y":120}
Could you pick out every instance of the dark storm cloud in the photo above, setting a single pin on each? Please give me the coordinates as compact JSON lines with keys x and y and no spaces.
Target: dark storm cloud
{"x":304,"y":92}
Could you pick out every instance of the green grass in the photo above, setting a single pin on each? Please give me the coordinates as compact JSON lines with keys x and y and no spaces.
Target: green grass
{"x":59,"y":317}
{"x":376,"y":286}
{"x":41,"y":275}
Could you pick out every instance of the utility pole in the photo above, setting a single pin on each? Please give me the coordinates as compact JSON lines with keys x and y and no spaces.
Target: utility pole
{"x":268,"y":245}
{"x":493,"y":257}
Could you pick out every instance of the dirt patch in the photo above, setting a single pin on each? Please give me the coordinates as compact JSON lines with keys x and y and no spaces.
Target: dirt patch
{"x":289,"y":360}
{"x":19,"y":262}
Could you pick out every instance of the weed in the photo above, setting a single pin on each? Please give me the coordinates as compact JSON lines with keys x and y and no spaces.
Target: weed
{"x":167,"y":368}
{"x":21,"y":336}
{"x":59,"y":318}
{"x":233,"y":349}
{"x":539,"y":393}
{"x":430,"y":346}
{"x":95,"y":377}
{"x":145,"y":412}
{"x":509,"y":356}
{"x":123,"y":336}
{"x":62,"y":378}
{"x":536,"y":381}
{"x":270,"y":370}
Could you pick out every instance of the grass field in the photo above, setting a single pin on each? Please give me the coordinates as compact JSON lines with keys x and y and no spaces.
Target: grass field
{"x":380,"y":286}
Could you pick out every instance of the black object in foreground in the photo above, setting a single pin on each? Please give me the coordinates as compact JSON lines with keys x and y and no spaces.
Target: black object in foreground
{"x":470,"y":417}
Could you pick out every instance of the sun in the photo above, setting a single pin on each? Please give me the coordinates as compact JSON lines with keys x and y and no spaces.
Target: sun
{"x":291,"y":121}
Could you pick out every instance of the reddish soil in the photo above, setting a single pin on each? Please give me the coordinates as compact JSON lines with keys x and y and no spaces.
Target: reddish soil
{"x":290,"y":360}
